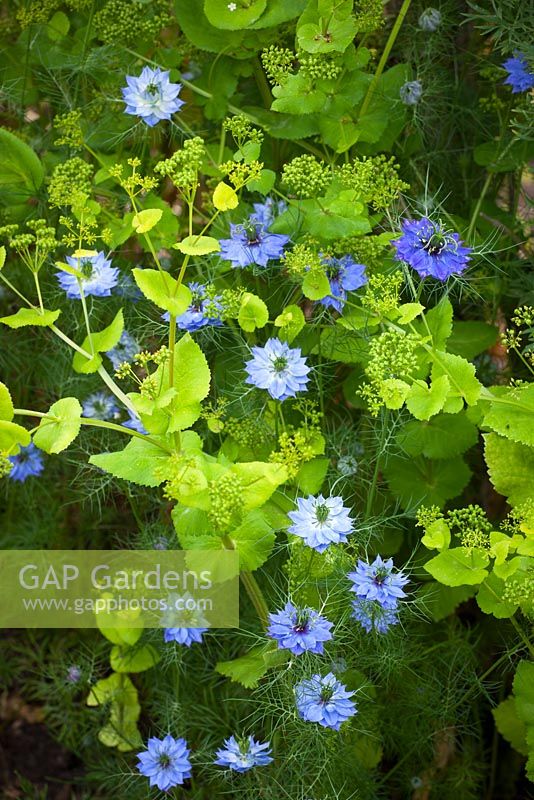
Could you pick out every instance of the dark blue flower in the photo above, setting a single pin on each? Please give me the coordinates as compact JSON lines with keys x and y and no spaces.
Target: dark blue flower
{"x":377,"y":581}
{"x":265,"y":213}
{"x":324,"y":700}
{"x":320,"y":521}
{"x":243,"y":754}
{"x":100,"y":405}
{"x":97,"y":276}
{"x":345,"y":275}
{"x":520,"y":75}
{"x":152,"y":96}
{"x":186,"y":636}
{"x":251,"y":243}
{"x":373,"y":616}
{"x":27,"y":462}
{"x":165,"y":762}
{"x":204,"y":310}
{"x":299,"y":630}
{"x":410,"y":92}
{"x":431,"y":250}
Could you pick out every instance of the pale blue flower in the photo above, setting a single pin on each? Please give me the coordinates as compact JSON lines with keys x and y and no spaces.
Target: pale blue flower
{"x":410,"y":92}
{"x":278,"y":368}
{"x":520,"y":74}
{"x":378,"y":581}
{"x":265,"y":213}
{"x":98,"y":277}
{"x":321,"y":521}
{"x":100,"y":405}
{"x":152,"y":96}
{"x":125,"y":350}
{"x":185,"y":636}
{"x":252,"y":243}
{"x":324,"y":700}
{"x":344,"y":275}
{"x":243,"y":754}
{"x":430,"y":20}
{"x":165,"y":762}
{"x":299,"y":630}
{"x":373,"y":616}
{"x":430,"y":249}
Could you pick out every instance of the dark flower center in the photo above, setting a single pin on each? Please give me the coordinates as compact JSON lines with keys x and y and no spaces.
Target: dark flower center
{"x":322,"y":513}
{"x":301,"y":622}
{"x":435,"y":244}
{"x":380,"y":576}
{"x":164,"y":760}
{"x":252,"y":232}
{"x":280,"y":363}
{"x":152,"y":89}
{"x":327,"y":692}
{"x":86,"y":268}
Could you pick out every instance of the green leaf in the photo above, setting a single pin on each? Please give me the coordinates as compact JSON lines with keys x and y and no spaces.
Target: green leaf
{"x":440,"y":601}
{"x":316,"y":285}
{"x":253,"y":313}
{"x":163,"y":290}
{"x":311,"y":475}
{"x":524,"y":692}
{"x":336,"y":38}
{"x":443,"y":436}
{"x":250,"y":668}
{"x":510,"y":726}
{"x":461,"y":375}
{"x":133,"y":659}
{"x":265,"y":182}
{"x":408,"y":312}
{"x":439,"y":322}
{"x":7,"y":411}
{"x":498,"y":159}
{"x":12,"y":435}
{"x":336,"y":219}
{"x":140,"y":462}
{"x":254,"y":540}
{"x":100,"y":342}
{"x":192,"y":376}
{"x":470,"y":338}
{"x":55,"y":435}
{"x":121,"y":731}
{"x":459,"y":566}
{"x":20,"y":169}
{"x":198,"y":245}
{"x":222,"y":14}
{"x":145,"y":220}
{"x":2,"y":257}
{"x":58,"y":26}
{"x":512,"y":414}
{"x":291,"y":321}
{"x":490,"y":598}
{"x":260,"y":479}
{"x":124,"y":637}
{"x":30,"y":316}
{"x":298,"y":96}
{"x":437,"y":535}
{"x":510,"y":467}
{"x":419,"y":481}
{"x":425,"y":401}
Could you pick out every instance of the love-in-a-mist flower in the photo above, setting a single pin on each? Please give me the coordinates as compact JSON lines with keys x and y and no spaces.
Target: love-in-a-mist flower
{"x":344,"y":275}
{"x":185,"y":636}
{"x":324,"y":700}
{"x":321,"y":521}
{"x":97,"y":276}
{"x":27,"y":462}
{"x":252,"y":243}
{"x":165,"y":762}
{"x":378,"y":581}
{"x":152,"y":96}
{"x":243,"y":754}
{"x":299,"y":630}
{"x":278,"y":368}
{"x":430,"y":20}
{"x":125,"y":350}
{"x":204,"y":310}
{"x":266,"y":212}
{"x":520,"y":75}
{"x":430,"y":249}
{"x":100,"y":405}
{"x":410,"y":92}
{"x":372,"y":616}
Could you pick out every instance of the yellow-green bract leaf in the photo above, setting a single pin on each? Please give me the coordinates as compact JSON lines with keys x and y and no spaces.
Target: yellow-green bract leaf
{"x":100,"y":342}
{"x":12,"y":434}
{"x":133,"y":659}
{"x":253,"y":312}
{"x":408,"y":312}
{"x":140,"y":462}
{"x":30,"y":316}
{"x":163,"y":290}
{"x":510,"y":467}
{"x":423,"y":401}
{"x":2,"y":256}
{"x":461,"y":374}
{"x":198,"y":245}
{"x":316,"y":285}
{"x":224,"y":197}
{"x":250,"y":668}
{"x":437,"y":535}
{"x":291,"y":321}
{"x":54,"y":435}
{"x":259,"y":479}
{"x":459,"y":566}
{"x":145,"y":220}
{"x":6,"y":404}
{"x":192,"y":382}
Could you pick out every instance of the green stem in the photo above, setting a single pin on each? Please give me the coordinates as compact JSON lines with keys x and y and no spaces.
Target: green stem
{"x":256,"y":596}
{"x":261,"y":82}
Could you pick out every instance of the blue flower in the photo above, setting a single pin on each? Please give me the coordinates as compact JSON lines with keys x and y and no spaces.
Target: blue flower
{"x":100,"y":405}
{"x":373,"y":616}
{"x":410,"y":92}
{"x":27,"y":462}
{"x":377,"y":581}
{"x":324,"y":700}
{"x":299,"y":630}
{"x":204,"y":310}
{"x":134,"y":423}
{"x":186,"y":636}
{"x":243,"y":755}
{"x":345,"y":275}
{"x":278,"y":368}
{"x":152,"y":96}
{"x":320,"y":521}
{"x":251,"y":243}
{"x":165,"y":761}
{"x":430,"y":20}
{"x":125,"y":349}
{"x":98,"y":276}
{"x":265,"y":213}
{"x":431,"y":250}
{"x":520,"y":75}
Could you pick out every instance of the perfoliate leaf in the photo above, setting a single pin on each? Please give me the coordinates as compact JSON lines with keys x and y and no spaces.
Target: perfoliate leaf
{"x":225,"y":197}
{"x":56,"y":434}
{"x":461,"y":374}
{"x":459,"y":566}
{"x":198,"y":245}
{"x":437,"y":535}
{"x":140,"y":462}
{"x":12,"y":435}
{"x":408,"y":312}
{"x":260,"y":479}
{"x":100,"y":342}
{"x":192,"y":383}
{"x":490,"y":598}
{"x":253,"y":312}
{"x":291,"y":321}
{"x":424,"y":401}
{"x":145,"y":220}
{"x":163,"y":290}
{"x":133,"y":659}
{"x":316,"y":285}
{"x":30,"y":316}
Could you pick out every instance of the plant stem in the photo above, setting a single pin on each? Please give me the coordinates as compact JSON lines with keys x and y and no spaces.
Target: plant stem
{"x":256,"y":596}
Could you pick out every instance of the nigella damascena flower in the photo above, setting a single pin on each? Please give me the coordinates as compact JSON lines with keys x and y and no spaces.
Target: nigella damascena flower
{"x":377,"y":581}
{"x":252,"y":243}
{"x":74,"y":674}
{"x":165,"y":762}
{"x":100,"y":405}
{"x":204,"y":310}
{"x":431,"y":250}
{"x":344,"y":275}
{"x":278,"y":368}
{"x":26,"y":463}
{"x":324,"y":700}
{"x":125,"y":350}
{"x":520,"y":74}
{"x":185,"y":636}
{"x":373,"y":616}
{"x":241,"y":755}
{"x":299,"y":630}
{"x":430,"y":20}
{"x":265,"y":213}
{"x":152,"y":96}
{"x":98,"y":277}
{"x":320,"y":521}
{"x":410,"y":92}
{"x":134,"y":423}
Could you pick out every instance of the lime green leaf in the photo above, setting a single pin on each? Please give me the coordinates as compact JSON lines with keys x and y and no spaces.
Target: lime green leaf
{"x":437,"y":535}
{"x":510,"y":726}
{"x":124,"y":637}
{"x":7,"y":411}
{"x":121,"y":731}
{"x":424,"y":401}
{"x":12,"y":435}
{"x":394,"y":392}
{"x":459,"y":566}
{"x":291,"y":321}
{"x":298,"y":96}
{"x":490,"y":598}
{"x":339,"y":34}
{"x":260,"y":480}
{"x":145,"y":220}
{"x":100,"y":342}
{"x":443,"y":436}
{"x":2,"y":257}
{"x":224,"y":197}
{"x":265,"y":182}
{"x":134,"y":659}
{"x":337,"y":218}
{"x":233,"y":16}
{"x":254,"y":540}
{"x":408,"y":312}
{"x":316,"y":285}
{"x":253,"y":312}
{"x":511,"y":468}
{"x":20,"y":168}
{"x":192,"y":383}
{"x":56,"y":434}
{"x":140,"y":462}
{"x":311,"y":475}
{"x":461,"y":375}
{"x":198,"y":245}
{"x":512,"y":414}
{"x":439,"y":322}
{"x":30,"y":316}
{"x":163,"y":290}
{"x":58,"y":26}
{"x":420,"y":481}
{"x":250,"y":668}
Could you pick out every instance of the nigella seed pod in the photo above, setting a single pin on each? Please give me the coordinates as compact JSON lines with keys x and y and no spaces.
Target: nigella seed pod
{"x":430,"y":20}
{"x":410,"y":92}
